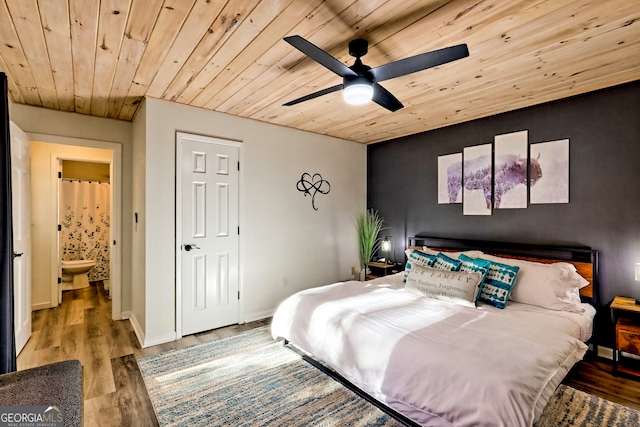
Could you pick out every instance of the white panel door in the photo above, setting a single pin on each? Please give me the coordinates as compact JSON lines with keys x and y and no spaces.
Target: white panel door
{"x":21,"y":208}
{"x":208,"y":232}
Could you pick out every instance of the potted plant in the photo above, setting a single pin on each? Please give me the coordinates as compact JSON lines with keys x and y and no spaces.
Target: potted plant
{"x":368,"y":225}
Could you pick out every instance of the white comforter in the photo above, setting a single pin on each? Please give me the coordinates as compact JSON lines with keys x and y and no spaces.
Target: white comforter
{"x":438,"y":363}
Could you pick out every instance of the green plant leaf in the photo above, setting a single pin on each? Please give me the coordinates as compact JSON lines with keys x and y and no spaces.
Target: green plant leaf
{"x":368,"y":226}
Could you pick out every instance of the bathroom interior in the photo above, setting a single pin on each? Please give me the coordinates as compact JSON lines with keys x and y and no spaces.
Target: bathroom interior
{"x":85,"y":220}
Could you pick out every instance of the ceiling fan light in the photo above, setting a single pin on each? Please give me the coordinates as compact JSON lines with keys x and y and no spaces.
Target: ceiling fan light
{"x":358,"y":93}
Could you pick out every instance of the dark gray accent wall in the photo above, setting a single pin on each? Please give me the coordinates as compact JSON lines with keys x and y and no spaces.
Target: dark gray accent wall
{"x":604,"y":190}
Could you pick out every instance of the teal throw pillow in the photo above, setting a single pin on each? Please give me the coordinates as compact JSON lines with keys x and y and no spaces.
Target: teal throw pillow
{"x":444,"y":262}
{"x":473,"y":265}
{"x":498,"y":284}
{"x":417,"y":257}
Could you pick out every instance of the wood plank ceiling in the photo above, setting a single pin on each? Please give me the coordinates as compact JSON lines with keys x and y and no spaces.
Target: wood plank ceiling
{"x":102,"y":57}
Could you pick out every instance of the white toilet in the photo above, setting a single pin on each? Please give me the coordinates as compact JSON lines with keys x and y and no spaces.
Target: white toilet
{"x":75,"y":273}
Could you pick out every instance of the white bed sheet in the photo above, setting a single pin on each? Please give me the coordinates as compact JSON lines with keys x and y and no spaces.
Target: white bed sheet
{"x":436,"y":362}
{"x":580,"y":325}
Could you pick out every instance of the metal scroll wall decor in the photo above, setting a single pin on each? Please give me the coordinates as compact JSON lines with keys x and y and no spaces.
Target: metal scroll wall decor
{"x":311,"y":185}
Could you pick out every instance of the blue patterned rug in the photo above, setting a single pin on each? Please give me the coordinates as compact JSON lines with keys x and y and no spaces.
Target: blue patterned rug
{"x":571,"y":407}
{"x":250,"y":380}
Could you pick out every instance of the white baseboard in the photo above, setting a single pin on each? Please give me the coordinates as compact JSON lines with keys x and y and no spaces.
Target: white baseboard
{"x":40,"y":306}
{"x":136,"y":326}
{"x":161,"y":339}
{"x":258,"y":316}
{"x":143,"y":340}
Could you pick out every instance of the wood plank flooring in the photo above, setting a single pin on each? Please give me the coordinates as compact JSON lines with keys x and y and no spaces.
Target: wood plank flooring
{"x":81,"y":328}
{"x":114,"y":392}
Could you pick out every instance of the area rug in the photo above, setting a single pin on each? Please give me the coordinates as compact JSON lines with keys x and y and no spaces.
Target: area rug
{"x":571,"y":407}
{"x":250,"y":380}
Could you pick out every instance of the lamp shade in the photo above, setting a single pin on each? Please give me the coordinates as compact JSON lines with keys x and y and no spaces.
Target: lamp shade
{"x":638,"y":271}
{"x":357,"y":91}
{"x":385,"y":246}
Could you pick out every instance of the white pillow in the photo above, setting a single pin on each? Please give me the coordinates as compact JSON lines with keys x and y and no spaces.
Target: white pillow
{"x":553,"y":286}
{"x":470,"y":254}
{"x":458,"y":287}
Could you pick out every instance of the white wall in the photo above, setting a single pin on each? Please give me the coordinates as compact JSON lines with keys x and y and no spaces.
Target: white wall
{"x":283,"y":240}
{"x":35,"y":120}
{"x":137,"y":231}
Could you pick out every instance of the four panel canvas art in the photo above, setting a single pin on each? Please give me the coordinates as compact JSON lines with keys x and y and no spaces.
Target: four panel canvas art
{"x":505,"y":174}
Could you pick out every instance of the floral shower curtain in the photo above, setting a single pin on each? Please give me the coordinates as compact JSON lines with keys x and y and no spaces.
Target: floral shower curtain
{"x":86,"y":218}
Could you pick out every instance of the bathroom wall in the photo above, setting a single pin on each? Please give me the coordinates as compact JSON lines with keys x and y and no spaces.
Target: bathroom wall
{"x":88,"y":171}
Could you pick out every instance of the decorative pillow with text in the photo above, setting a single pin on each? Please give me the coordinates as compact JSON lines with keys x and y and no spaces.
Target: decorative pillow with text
{"x":457,"y":287}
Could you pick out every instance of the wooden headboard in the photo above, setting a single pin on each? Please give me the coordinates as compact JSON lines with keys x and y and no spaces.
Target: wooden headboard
{"x":584,"y":259}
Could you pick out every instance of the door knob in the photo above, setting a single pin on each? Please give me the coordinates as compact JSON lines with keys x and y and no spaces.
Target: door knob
{"x":189,"y":247}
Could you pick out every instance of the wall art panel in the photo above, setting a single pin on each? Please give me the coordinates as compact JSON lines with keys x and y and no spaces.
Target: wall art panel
{"x":510,"y":172}
{"x":476,"y":169}
{"x":450,"y":178}
{"x":549,"y":171}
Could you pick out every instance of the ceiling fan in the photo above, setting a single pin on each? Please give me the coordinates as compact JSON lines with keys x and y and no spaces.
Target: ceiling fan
{"x":361,"y":82}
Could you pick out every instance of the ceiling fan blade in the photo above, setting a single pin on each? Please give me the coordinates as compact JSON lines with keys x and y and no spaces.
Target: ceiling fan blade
{"x":320,"y":56}
{"x":314,"y":95}
{"x":420,"y":62}
{"x":385,"y":99}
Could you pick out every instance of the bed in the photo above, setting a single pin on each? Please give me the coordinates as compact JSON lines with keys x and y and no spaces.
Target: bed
{"x":430,"y":360}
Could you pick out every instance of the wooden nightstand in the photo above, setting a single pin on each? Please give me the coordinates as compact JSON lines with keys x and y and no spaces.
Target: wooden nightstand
{"x":381,"y":269}
{"x":626,"y":318}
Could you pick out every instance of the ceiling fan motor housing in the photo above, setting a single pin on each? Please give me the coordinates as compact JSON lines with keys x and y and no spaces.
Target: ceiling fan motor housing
{"x":358,"y":47}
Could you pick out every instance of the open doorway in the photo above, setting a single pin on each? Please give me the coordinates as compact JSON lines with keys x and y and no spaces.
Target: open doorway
{"x":48,"y":154}
{"x":85,"y":224}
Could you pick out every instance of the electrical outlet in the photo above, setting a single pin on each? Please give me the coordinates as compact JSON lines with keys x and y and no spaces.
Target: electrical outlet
{"x":353,"y":271}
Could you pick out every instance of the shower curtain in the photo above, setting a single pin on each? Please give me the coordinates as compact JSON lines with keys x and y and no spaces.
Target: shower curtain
{"x":86,"y":218}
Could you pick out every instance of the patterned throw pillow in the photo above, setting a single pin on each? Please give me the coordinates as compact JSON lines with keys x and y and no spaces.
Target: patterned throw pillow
{"x":475,"y":265}
{"x":444,"y":262}
{"x":457,"y":287}
{"x":416,"y":257}
{"x":498,"y":284}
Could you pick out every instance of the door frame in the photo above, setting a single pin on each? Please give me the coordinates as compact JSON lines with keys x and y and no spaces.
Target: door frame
{"x":178,"y":216}
{"x":115,"y":263}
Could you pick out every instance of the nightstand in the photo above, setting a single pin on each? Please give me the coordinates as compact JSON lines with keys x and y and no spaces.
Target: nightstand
{"x":381,"y":269}
{"x":626,"y":318}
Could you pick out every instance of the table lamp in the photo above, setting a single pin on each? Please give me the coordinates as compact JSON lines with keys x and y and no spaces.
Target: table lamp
{"x":386,"y":246}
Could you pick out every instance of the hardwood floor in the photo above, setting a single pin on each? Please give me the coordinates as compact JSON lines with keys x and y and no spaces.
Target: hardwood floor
{"x":595,"y":376}
{"x":114,"y":393}
{"x":81,"y":328}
